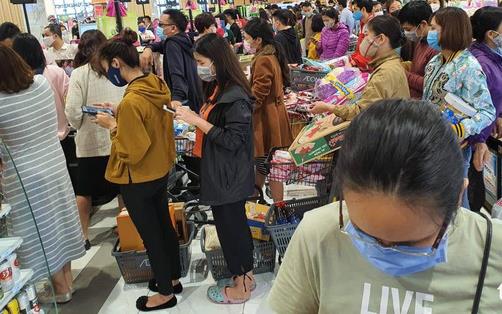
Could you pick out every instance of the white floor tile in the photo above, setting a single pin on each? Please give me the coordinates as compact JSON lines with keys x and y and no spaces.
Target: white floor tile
{"x":122,"y":299}
{"x":79,"y":264}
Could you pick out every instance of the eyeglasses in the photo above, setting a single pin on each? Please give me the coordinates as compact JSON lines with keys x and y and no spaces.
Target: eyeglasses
{"x":396,"y":248}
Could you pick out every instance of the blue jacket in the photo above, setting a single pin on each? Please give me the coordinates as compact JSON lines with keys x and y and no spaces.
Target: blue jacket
{"x":463,"y":77}
{"x":491,"y":62}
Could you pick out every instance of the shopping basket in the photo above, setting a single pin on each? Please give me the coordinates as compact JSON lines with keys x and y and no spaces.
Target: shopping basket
{"x":263,"y":255}
{"x":310,"y":173}
{"x":184,"y":146}
{"x":281,"y":233}
{"x":135,"y":266}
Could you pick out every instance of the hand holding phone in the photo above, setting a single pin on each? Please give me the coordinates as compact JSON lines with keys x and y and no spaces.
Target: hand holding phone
{"x":93,"y":111}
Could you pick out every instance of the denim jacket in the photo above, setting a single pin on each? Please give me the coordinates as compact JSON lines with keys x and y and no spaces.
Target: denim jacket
{"x":463,"y":77}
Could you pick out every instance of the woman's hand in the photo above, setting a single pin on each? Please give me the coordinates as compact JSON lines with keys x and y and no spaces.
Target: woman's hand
{"x":105,"y":120}
{"x":320,"y":107}
{"x":481,"y":156}
{"x":107,"y":105}
{"x":186,"y":114}
{"x":497,"y":129}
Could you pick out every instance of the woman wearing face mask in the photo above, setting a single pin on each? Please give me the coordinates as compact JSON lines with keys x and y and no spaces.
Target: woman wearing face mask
{"x":392,"y":6}
{"x":456,"y":71}
{"x":269,"y":77}
{"x":141,"y":156}
{"x":400,"y":239}
{"x":224,"y":141}
{"x":334,"y":36}
{"x":487,"y":30}
{"x":436,"y":4}
{"x":388,"y":79}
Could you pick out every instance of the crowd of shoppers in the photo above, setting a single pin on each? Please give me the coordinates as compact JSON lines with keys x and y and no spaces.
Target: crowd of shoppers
{"x":414,"y":178}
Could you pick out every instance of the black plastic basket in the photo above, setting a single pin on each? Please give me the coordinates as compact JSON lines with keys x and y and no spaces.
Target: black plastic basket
{"x":281,"y":234}
{"x":135,"y":265}
{"x":263,"y":255}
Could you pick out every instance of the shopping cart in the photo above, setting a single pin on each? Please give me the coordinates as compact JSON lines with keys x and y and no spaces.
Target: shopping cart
{"x":316,"y":173}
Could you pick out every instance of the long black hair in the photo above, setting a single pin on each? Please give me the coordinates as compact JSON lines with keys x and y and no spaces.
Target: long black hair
{"x":390,"y":27}
{"x":228,"y":70}
{"x":258,"y":28}
{"x":28,"y":47}
{"x":89,"y":44}
{"x":403,"y":148}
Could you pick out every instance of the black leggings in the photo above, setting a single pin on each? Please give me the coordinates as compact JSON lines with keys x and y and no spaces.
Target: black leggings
{"x":235,"y":236}
{"x":147,"y":205}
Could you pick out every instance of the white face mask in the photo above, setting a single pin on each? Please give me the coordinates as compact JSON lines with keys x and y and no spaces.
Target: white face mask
{"x":48,"y":41}
{"x":379,"y":13}
{"x":205,"y":73}
{"x":435,"y":7}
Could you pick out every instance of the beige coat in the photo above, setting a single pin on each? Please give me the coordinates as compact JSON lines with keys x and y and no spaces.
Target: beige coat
{"x":388,"y":80}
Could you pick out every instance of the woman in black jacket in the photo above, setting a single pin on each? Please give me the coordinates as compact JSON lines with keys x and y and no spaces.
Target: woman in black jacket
{"x":224,"y":141}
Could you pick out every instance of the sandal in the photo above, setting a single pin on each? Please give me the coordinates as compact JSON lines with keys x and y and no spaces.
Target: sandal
{"x":230,"y":282}
{"x":219,"y":296}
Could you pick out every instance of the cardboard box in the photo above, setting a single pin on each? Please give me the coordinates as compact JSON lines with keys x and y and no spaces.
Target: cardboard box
{"x":256,"y":214}
{"x":128,"y":234}
{"x":130,"y":240}
{"x":318,"y":139}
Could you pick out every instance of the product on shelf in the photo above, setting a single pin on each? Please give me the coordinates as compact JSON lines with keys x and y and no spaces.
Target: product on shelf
{"x":6,"y":279}
{"x":13,"y":307}
{"x":32,"y":297}
{"x":24,"y":302}
{"x":14,"y":263}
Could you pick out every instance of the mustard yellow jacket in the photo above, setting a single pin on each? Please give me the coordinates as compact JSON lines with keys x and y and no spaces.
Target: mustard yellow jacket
{"x":143,"y":145}
{"x":388,"y":80}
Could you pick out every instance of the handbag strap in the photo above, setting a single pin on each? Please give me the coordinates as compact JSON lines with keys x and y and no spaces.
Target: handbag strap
{"x":484,"y":265}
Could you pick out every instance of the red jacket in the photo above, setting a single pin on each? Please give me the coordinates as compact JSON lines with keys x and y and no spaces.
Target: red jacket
{"x":422,"y":55}
{"x":357,"y":59}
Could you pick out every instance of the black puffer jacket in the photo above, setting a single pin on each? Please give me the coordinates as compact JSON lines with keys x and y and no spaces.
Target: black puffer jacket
{"x":290,"y":44}
{"x":227,"y":164}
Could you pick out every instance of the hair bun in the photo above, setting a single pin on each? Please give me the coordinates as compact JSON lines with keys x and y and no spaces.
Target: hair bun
{"x":128,"y":36}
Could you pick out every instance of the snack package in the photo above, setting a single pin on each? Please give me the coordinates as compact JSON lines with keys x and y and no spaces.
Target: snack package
{"x":340,"y":85}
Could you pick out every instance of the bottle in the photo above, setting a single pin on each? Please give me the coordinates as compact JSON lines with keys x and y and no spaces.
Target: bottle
{"x":14,"y":263}
{"x":281,"y":217}
{"x":32,"y":297}
{"x":24,"y":303}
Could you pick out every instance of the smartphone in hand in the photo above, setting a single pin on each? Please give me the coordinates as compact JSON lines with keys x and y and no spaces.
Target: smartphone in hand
{"x":90,"y":110}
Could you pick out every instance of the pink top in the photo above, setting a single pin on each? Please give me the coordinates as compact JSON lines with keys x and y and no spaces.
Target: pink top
{"x":59,"y":82}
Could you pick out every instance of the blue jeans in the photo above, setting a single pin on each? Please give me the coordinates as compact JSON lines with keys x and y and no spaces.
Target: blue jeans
{"x":467,"y":153}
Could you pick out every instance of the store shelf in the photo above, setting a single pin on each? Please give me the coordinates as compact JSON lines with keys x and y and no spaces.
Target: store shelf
{"x":5,"y":210}
{"x":9,"y":245}
{"x":26,"y":275}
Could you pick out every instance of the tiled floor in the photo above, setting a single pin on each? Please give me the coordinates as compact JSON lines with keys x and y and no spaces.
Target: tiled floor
{"x":101,"y":289}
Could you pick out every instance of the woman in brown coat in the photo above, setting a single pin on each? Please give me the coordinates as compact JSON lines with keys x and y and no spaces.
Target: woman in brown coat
{"x":269,"y":75}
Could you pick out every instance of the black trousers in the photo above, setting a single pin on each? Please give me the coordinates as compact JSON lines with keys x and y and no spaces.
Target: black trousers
{"x":147,"y":205}
{"x":235,"y":236}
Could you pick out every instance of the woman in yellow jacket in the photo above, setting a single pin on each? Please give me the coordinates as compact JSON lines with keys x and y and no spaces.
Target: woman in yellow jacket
{"x":141,"y":156}
{"x":317,"y":26}
{"x":388,"y":79}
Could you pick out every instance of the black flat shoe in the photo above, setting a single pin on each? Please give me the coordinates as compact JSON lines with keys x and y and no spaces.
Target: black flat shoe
{"x":152,"y":285}
{"x":87,"y":245}
{"x":141,"y":304}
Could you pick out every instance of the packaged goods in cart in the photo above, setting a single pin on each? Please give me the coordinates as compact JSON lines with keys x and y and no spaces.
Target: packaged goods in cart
{"x":6,"y":279}
{"x":13,"y":307}
{"x":14,"y":263}
{"x":256,"y":220}
{"x":285,"y":215}
{"x":318,"y":139}
{"x":340,"y":85}
{"x":32,"y":297}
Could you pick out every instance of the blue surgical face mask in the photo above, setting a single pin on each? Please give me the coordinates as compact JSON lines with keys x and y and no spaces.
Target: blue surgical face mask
{"x":358,"y":15}
{"x":393,"y":262}
{"x":433,"y":40}
{"x":114,"y":76}
{"x":141,"y":29}
{"x":160,"y":33}
{"x":398,"y":51}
